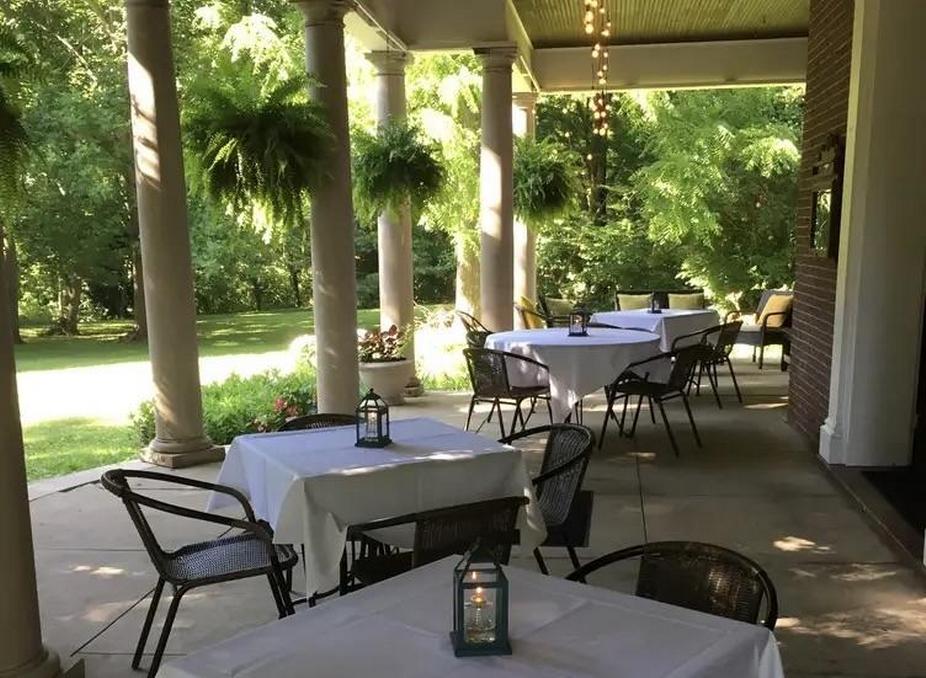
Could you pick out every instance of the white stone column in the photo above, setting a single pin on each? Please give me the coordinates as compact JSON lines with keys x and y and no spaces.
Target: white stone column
{"x":334,"y":277}
{"x":22,"y":653}
{"x":882,"y":246}
{"x":165,"y":240}
{"x":525,"y":239}
{"x":495,"y":190}
{"x":394,"y":230}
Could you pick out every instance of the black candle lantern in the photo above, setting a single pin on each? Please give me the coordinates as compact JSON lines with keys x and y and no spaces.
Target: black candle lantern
{"x":372,"y":421}
{"x":654,"y":304}
{"x":480,"y":606}
{"x":578,"y":323}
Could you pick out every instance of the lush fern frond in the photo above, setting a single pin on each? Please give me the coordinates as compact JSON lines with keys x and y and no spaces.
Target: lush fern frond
{"x":546,"y":180}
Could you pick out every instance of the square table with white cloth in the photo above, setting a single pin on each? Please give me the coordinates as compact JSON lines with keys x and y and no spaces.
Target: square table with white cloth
{"x":669,"y":324}
{"x":312,"y":485}
{"x":558,"y":629}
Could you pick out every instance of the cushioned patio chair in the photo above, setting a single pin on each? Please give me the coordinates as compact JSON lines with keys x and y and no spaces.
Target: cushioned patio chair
{"x":249,"y":553}
{"x":488,"y":375}
{"x":308,"y":422}
{"x":630,"y":300}
{"x":719,"y":341}
{"x":698,"y":576}
{"x":773,"y":320}
{"x":476,"y":332}
{"x":566,"y":508}
{"x":530,"y":319}
{"x":635,"y":381}
{"x":556,"y":311}
{"x":440,"y":533}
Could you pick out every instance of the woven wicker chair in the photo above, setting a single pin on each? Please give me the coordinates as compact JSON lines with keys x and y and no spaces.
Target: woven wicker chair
{"x":251,"y":553}
{"x":566,"y":508}
{"x":719,"y":341}
{"x":438,"y":534}
{"x":488,"y":375}
{"x":308,"y":422}
{"x":699,"y":577}
{"x":476,"y":332}
{"x":774,"y":330}
{"x":630,"y":383}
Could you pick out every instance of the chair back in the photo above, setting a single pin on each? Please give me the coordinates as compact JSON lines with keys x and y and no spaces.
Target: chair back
{"x":476,"y":332}
{"x":685,"y":361}
{"x":488,"y":372}
{"x":313,"y":421}
{"x":565,"y":460}
{"x":530,"y":319}
{"x":698,"y":576}
{"x":768,"y":294}
{"x":451,"y":530}
{"x":727,"y":334}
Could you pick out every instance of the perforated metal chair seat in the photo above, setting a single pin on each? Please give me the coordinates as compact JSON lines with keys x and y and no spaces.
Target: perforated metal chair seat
{"x":228,"y":555}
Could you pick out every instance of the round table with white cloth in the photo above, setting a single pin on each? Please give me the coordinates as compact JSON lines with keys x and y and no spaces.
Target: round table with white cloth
{"x":578,"y":365}
{"x":670,"y":324}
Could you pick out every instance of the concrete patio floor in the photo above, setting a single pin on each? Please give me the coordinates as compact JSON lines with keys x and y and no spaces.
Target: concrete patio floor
{"x":851,"y":605}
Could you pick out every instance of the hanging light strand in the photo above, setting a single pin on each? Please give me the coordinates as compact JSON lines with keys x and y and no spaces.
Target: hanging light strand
{"x":597,"y":25}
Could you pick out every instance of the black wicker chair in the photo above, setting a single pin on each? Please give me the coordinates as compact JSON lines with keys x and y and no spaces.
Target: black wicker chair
{"x":476,"y":332}
{"x":566,"y":508}
{"x":773,"y":330}
{"x":630,"y":383}
{"x":250,"y":553}
{"x":488,"y":376}
{"x":699,"y":577}
{"x":438,"y":534}
{"x":312,"y":421}
{"x":555,"y":311}
{"x":719,"y":342}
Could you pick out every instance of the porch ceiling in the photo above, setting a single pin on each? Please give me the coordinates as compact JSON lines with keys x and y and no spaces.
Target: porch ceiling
{"x":558,"y":23}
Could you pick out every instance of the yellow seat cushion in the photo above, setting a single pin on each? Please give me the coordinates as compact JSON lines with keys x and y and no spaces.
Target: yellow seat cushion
{"x":634,"y":302}
{"x":558,"y":307}
{"x":532,"y":318}
{"x":778,"y":303}
{"x":687,"y":302}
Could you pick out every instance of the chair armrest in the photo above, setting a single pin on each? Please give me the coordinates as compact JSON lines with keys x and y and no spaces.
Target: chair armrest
{"x":260,"y":529}
{"x":772,"y":315}
{"x":199,"y":484}
{"x":668,"y":355}
{"x":731,"y":314}
{"x":689,"y":336}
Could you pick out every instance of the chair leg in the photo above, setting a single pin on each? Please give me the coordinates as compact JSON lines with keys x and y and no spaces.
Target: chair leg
{"x":761,"y":356}
{"x":700,"y":371}
{"x":574,"y":557}
{"x":736,"y":386}
{"x":712,"y":378}
{"x":165,"y":632}
{"x":652,"y":411}
{"x":607,"y":415}
{"x":665,"y":420}
{"x":541,"y":564}
{"x":549,"y":410}
{"x":636,"y":417}
{"x":277,"y":597}
{"x":694,"y":429}
{"x":469,"y":415}
{"x":501,"y":420}
{"x":753,"y":354}
{"x":146,"y":627}
{"x":624,"y":413}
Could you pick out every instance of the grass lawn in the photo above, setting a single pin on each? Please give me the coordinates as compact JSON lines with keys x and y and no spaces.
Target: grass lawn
{"x":101,"y":343}
{"x":61,"y":446}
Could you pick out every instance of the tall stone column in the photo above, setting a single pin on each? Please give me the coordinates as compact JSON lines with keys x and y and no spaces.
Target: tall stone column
{"x":334,"y":277}
{"x":394,"y":230}
{"x":881,"y":273}
{"x":495,"y":190}
{"x":165,"y":240}
{"x":525,"y":239}
{"x":21,"y":651}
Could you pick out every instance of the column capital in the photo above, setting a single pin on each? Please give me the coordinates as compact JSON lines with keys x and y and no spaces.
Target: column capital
{"x":497,"y":58}
{"x":322,"y":12}
{"x":389,"y":62}
{"x":525,"y":100}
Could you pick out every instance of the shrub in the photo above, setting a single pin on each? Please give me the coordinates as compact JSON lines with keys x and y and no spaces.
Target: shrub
{"x":241,"y":405}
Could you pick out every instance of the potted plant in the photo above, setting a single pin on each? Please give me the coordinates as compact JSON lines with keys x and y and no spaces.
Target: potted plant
{"x":383,"y":365}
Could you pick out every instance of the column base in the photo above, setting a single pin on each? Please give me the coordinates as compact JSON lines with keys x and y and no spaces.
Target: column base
{"x":831,"y":443}
{"x":414,"y":388}
{"x":47,"y":665}
{"x":172,"y":454}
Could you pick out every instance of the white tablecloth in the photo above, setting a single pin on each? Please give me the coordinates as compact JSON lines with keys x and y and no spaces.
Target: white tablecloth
{"x":669,"y":324}
{"x":578,"y":365}
{"x":311,"y":485}
{"x":558,"y":629}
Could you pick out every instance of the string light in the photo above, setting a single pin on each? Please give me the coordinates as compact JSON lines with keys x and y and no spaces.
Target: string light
{"x":595,"y":22}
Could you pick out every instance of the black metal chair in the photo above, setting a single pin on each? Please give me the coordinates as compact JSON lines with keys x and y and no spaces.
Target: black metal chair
{"x":476,"y":332}
{"x":698,"y":576}
{"x":250,"y":553}
{"x":566,"y":508}
{"x":308,"y":422}
{"x":771,"y":329}
{"x":440,"y":533}
{"x":719,"y":342}
{"x":488,"y":375}
{"x":631,"y":383}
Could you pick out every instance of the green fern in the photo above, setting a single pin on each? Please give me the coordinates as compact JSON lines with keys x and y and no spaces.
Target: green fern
{"x":546,"y":180}
{"x":14,"y":139}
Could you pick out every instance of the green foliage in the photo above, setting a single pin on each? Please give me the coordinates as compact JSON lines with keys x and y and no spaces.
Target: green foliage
{"x":13,"y":137}
{"x":242,"y":405}
{"x":395,"y":166}
{"x":545,"y":179}
{"x":382,"y":346}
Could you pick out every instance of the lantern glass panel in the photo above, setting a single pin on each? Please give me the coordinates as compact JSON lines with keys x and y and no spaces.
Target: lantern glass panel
{"x":480,"y":606}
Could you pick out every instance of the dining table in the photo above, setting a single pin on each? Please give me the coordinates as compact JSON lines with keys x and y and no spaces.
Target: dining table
{"x":312,"y":485}
{"x":557,"y":629}
{"x":669,"y":323}
{"x":578,"y":365}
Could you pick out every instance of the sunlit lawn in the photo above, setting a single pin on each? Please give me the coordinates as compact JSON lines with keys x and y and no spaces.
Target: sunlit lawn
{"x":62,"y":446}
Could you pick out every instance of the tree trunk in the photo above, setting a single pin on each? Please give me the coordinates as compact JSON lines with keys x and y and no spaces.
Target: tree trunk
{"x":294,"y":284}
{"x":9,"y":268}
{"x":599,"y":196}
{"x":467,"y":277}
{"x":69,"y":305}
{"x":257,"y":289}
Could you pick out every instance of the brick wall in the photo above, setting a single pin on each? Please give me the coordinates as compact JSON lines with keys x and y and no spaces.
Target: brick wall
{"x":828,"y":59}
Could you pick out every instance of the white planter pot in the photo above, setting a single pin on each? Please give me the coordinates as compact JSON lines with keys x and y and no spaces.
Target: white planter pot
{"x":388,"y":379}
